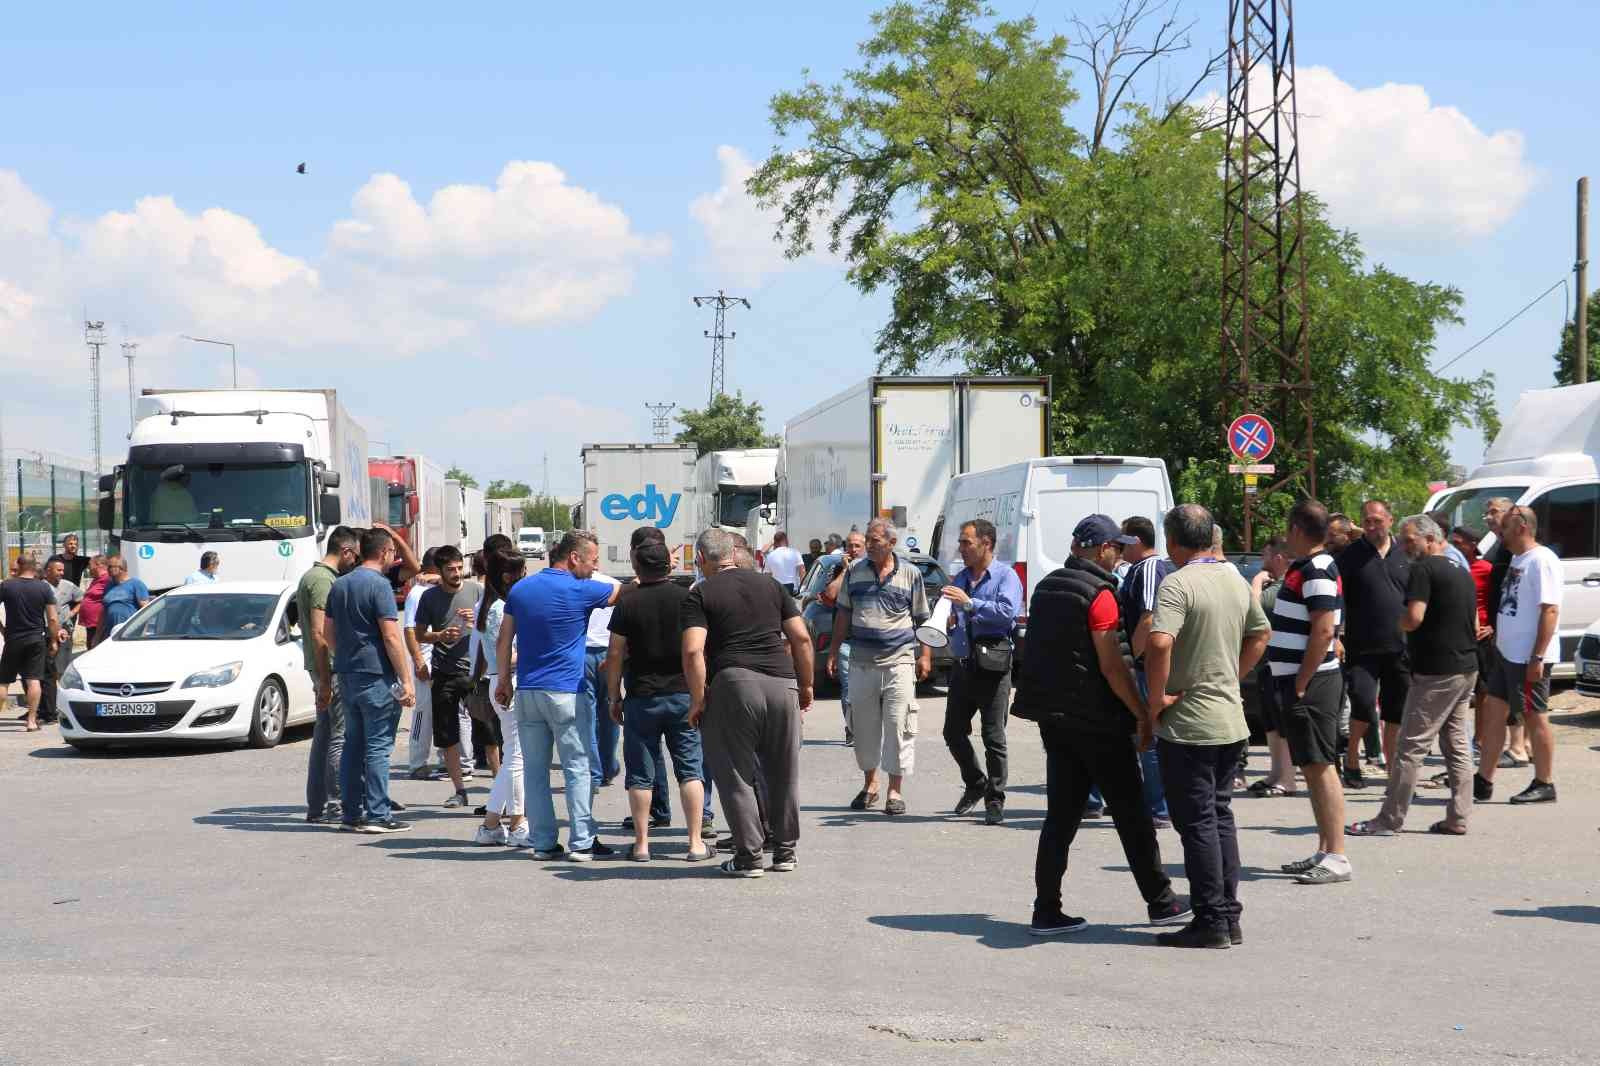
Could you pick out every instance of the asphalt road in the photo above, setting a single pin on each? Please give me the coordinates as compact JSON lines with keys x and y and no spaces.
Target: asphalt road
{"x":173,"y":907}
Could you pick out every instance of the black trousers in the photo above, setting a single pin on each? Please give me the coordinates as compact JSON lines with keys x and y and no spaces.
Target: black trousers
{"x":988,"y":695}
{"x":1074,"y":761}
{"x":1199,"y":783}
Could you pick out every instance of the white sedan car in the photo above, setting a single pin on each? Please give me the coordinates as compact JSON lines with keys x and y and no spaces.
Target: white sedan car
{"x":203,"y":663}
{"x":1586,"y":662}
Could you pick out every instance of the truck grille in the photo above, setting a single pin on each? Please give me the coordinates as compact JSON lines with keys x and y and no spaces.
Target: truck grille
{"x":135,"y":688}
{"x":1589,"y":647}
{"x":168,"y":714}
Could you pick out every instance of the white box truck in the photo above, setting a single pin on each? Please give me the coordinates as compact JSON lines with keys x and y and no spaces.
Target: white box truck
{"x":728,"y":484}
{"x":463,"y":516}
{"x":502,"y":516}
{"x":626,"y":486}
{"x":260,"y":476}
{"x":889,"y":446}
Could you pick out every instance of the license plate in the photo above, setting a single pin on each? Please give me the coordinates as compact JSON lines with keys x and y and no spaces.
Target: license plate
{"x":114,"y":710}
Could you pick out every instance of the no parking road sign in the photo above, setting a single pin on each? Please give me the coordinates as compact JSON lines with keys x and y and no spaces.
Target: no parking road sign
{"x":1251,"y":438}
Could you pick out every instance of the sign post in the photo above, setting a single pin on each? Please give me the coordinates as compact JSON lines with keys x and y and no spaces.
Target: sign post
{"x":1251,"y":439}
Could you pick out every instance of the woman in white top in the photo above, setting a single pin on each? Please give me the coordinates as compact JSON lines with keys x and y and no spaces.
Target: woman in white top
{"x":505,"y":568}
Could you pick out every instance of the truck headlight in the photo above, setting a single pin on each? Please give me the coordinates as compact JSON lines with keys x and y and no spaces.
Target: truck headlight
{"x":216,"y":677}
{"x":72,"y":679}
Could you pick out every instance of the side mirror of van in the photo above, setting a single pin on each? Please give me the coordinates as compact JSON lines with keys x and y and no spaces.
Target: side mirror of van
{"x":107,"y":516}
{"x":329,"y":514}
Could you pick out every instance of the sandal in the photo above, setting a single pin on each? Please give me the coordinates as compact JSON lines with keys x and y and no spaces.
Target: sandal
{"x":864,"y":800}
{"x":1444,"y":830}
{"x":1440,"y":780}
{"x":700,"y":856}
{"x":1368,"y":829}
{"x":895,"y":806}
{"x":1272,"y":791}
{"x":638,"y":856}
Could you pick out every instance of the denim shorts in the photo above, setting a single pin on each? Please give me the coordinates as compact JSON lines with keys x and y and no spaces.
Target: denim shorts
{"x":646,"y":722}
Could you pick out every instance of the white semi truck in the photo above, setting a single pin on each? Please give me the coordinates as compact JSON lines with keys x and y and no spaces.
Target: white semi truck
{"x":889,"y":446}
{"x":260,"y":476}
{"x":626,"y":486}
{"x":728,"y":484}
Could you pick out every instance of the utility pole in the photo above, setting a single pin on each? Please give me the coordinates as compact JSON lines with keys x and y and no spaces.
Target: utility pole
{"x":659,"y":424}
{"x":1581,"y":268}
{"x":721,"y":301}
{"x":544,"y":490}
{"x":1266,"y":355}
{"x":94,"y":335}
{"x":130,"y":349}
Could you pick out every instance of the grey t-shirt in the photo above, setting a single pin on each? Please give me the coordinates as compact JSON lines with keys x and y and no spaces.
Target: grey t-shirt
{"x":1208,"y":611}
{"x":437,"y":610}
{"x":67,"y":594}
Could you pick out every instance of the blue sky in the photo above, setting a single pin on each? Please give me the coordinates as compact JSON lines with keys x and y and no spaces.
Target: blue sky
{"x":336,"y":278}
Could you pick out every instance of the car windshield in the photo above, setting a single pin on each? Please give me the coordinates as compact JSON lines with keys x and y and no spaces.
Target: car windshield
{"x":933,"y":576}
{"x":218,"y":616}
{"x":218,"y":496}
{"x":1465,"y":506}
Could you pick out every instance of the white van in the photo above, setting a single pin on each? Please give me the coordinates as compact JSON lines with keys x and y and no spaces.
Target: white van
{"x":1545,"y":458}
{"x":530,"y":542}
{"x":1035,"y":504}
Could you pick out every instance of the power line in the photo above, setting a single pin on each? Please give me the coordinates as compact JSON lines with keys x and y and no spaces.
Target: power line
{"x":659,"y":424}
{"x":1526,"y":307}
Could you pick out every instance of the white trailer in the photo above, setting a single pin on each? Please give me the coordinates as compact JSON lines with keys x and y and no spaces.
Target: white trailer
{"x":889,"y":446}
{"x":260,"y":476}
{"x":474,"y":519}
{"x":626,"y":486}
{"x":502,"y":517}
{"x":433,"y":529}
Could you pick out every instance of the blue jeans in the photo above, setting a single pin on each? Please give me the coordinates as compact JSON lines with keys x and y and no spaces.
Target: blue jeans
{"x":371,"y":715}
{"x":545,"y":721}
{"x":1155,"y":795}
{"x":844,"y":681}
{"x":646,"y":722}
{"x":327,"y":755}
{"x":595,"y":700}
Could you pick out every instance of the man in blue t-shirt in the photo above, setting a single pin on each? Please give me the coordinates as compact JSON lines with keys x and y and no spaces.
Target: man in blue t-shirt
{"x":362,"y":629}
{"x":547,"y":616}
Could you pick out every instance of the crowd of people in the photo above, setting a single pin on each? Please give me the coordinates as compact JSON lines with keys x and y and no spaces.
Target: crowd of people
{"x":1138,"y":669}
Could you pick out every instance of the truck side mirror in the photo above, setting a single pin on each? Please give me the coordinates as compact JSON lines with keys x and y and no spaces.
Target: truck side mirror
{"x":329,"y":513}
{"x":330,"y":479}
{"x":108,"y":483}
{"x":108,"y":513}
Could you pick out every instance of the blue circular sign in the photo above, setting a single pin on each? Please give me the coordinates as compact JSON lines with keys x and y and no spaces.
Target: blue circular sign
{"x":147,"y":551}
{"x":1251,"y":438}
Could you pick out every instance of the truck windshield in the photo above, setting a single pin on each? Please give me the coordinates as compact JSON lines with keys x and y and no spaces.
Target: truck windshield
{"x":397,"y":509}
{"x":736,"y":504}
{"x":218,"y":496}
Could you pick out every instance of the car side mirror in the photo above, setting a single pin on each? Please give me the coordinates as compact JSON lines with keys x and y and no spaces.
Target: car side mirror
{"x":329,"y":513}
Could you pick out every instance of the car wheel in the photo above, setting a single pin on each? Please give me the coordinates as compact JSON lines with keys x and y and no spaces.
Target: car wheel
{"x":267,"y":714}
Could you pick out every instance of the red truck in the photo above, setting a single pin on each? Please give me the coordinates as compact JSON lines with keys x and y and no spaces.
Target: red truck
{"x":416,"y":501}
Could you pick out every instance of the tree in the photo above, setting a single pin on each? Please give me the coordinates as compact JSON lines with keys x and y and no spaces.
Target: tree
{"x":726,"y":422}
{"x":1567,"y":352}
{"x":948,"y":174}
{"x":462,"y":476}
{"x":508,"y":490}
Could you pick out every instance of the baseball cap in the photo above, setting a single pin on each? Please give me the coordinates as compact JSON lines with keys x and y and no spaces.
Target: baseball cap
{"x":1098,"y":529}
{"x":652,"y":557}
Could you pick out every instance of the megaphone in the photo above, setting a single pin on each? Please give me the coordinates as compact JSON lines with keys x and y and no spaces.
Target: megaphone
{"x":935,"y":632}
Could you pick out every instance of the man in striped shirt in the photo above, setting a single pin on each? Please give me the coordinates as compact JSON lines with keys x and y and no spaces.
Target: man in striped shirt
{"x":1305,"y":671}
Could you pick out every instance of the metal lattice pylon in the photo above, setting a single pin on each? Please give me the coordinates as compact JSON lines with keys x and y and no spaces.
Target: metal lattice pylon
{"x":718,"y":336}
{"x":1266,"y":357}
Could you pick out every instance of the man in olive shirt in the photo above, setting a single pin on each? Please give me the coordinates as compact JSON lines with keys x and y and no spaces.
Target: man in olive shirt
{"x":327,"y":736}
{"x":1207,"y":631}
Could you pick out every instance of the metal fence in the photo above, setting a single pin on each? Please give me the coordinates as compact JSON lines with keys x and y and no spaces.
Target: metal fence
{"x":42,"y":502}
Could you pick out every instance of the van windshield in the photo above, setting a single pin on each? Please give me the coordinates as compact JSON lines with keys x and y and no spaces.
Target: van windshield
{"x":1465,"y":506}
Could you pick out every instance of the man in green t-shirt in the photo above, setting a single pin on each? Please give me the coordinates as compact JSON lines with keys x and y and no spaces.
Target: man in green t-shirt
{"x":327,"y":738}
{"x":1207,"y":632}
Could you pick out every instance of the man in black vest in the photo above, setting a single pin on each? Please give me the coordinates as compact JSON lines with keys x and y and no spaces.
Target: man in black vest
{"x":1077,"y":683}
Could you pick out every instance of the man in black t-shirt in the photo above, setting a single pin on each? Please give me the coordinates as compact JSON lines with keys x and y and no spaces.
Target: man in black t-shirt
{"x":747,"y":692}
{"x":72,"y":564}
{"x":445,"y":617}
{"x":1374,"y":570}
{"x":1441,"y":622}
{"x":647,"y":634}
{"x":30,"y":632}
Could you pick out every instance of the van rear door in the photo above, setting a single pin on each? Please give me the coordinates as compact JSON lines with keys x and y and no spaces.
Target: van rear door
{"x":1063,"y":494}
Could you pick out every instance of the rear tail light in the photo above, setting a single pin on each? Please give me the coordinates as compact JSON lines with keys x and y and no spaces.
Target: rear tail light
{"x":1022,"y":575}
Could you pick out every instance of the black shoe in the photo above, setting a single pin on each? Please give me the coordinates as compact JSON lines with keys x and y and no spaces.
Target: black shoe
{"x":1194,"y":935}
{"x":1169,"y":912}
{"x":396,"y":805}
{"x":1536,"y":792}
{"x":655,"y":823}
{"x":1235,"y":933}
{"x":994,"y":812}
{"x":969,"y":799}
{"x":597,"y":849}
{"x":1353,"y":778}
{"x":388,"y":825}
{"x":1092,"y":811}
{"x":1056,"y":924}
{"x":1482,"y":791}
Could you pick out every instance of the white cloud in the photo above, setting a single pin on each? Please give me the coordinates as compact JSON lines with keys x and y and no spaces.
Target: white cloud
{"x":1391,"y":163}
{"x":737,"y":229}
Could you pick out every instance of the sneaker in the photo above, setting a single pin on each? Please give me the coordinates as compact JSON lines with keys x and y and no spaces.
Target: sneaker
{"x":549,"y":853}
{"x":655,"y":823}
{"x":333,"y":812}
{"x":1194,"y":935}
{"x":579,"y":856}
{"x":1161,"y":823}
{"x":388,"y":825}
{"x":1235,"y":932}
{"x":419,"y":774}
{"x":352,"y":827}
{"x":733,"y":869}
{"x":785,"y":864}
{"x":994,"y":812}
{"x":468,"y":773}
{"x":479,"y":812}
{"x":970,"y":798}
{"x":1303,"y":866}
{"x":457,"y":800}
{"x":708,"y":829}
{"x":1482,"y":790}
{"x":1353,"y":777}
{"x":518,"y":837}
{"x":1509,"y":761}
{"x":1323,"y":874}
{"x":598,"y":850}
{"x":1056,"y":924}
{"x":487,"y":837}
{"x":1536,"y":792}
{"x":849,"y":738}
{"x":1092,"y":811}
{"x":396,"y":805}
{"x":1170,"y":912}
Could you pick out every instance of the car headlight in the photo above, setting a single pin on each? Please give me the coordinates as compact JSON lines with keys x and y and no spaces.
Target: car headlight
{"x":72,"y":679}
{"x":216,"y":677}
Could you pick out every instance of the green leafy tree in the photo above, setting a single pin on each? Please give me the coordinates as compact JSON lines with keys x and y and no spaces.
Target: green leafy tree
{"x":1567,"y":352}
{"x":726,"y":422}
{"x":508,"y":490}
{"x":462,"y":476}
{"x":944,"y":170}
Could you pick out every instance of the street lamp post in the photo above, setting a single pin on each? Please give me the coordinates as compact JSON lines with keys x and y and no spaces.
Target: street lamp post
{"x":226,"y":344}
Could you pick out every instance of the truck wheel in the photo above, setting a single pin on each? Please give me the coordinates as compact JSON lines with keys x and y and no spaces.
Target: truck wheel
{"x":267,"y":714}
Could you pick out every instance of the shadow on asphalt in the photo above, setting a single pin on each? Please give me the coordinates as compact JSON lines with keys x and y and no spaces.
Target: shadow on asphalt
{"x":991,"y":932}
{"x":1582,"y":913}
{"x":60,"y":749}
{"x":1175,"y":871}
{"x":621,"y":869}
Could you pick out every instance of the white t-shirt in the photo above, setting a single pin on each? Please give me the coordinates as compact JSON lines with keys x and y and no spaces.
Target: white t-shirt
{"x":785,"y":565}
{"x":599,"y":635}
{"x":1533,"y":580}
{"x":408,"y":618}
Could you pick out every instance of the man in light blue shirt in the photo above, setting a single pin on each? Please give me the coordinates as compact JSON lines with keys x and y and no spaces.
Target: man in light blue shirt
{"x":209,"y":562}
{"x":986,"y":597}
